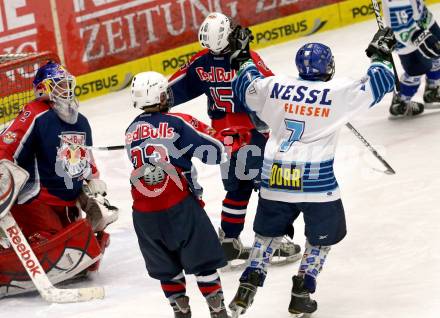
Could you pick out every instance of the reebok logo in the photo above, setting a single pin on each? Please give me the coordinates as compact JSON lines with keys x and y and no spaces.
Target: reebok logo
{"x":23,"y":251}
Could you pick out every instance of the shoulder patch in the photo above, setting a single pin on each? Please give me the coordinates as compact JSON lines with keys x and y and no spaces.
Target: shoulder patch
{"x":9,"y":137}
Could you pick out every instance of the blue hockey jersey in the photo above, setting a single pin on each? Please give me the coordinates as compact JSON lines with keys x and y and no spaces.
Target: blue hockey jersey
{"x":212,"y":75}
{"x":51,"y":151}
{"x":405,"y":17}
{"x":168,"y":142}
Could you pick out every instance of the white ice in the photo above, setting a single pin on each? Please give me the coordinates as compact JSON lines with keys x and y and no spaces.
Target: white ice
{"x":387,"y":266}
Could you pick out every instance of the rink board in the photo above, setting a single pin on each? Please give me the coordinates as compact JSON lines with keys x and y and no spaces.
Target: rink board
{"x":266,"y":34}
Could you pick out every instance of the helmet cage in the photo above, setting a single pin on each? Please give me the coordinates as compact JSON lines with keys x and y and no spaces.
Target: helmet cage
{"x":60,"y":88}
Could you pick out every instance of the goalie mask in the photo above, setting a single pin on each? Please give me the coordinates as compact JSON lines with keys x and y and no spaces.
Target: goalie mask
{"x":149,"y":92}
{"x":53,"y":82}
{"x":214,"y":32}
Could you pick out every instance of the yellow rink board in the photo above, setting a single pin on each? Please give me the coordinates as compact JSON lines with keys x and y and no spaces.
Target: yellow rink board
{"x":268,"y":33}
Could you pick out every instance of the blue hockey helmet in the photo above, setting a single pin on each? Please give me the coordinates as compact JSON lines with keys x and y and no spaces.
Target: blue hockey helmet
{"x":54,"y":82}
{"x":315,"y":62}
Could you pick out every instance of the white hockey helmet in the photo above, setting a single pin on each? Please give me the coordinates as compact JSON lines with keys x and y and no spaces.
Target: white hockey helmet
{"x":214,"y":32}
{"x":149,"y":90}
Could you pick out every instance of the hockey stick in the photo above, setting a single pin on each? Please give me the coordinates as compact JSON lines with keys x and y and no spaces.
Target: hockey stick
{"x":10,"y":189}
{"x":389,"y":170}
{"x":104,"y":148}
{"x":382,"y":26}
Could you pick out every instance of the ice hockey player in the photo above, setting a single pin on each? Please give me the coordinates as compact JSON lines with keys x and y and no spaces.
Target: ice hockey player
{"x":418,"y":47}
{"x":209,"y":72}
{"x":305,"y":115}
{"x":48,"y":141}
{"x":173,"y":230}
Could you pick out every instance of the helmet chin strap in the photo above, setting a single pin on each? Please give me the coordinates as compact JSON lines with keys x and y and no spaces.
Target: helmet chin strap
{"x":67,"y":110}
{"x":156,"y":108}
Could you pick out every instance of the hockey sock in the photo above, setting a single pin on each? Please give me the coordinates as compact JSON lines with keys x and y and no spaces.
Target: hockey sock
{"x":209,"y":283}
{"x":409,"y":86}
{"x":433,"y":76}
{"x":174,"y":288}
{"x":234,"y":212}
{"x":311,"y":264}
{"x":260,"y":255}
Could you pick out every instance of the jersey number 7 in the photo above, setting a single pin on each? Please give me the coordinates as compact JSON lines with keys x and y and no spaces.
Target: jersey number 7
{"x":296,"y":129}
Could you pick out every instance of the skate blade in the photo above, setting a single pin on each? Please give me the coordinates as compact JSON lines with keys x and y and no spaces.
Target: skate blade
{"x":403,"y":117}
{"x":234,"y":265}
{"x":300,"y":315}
{"x":282,"y":260}
{"x":432,"y":106}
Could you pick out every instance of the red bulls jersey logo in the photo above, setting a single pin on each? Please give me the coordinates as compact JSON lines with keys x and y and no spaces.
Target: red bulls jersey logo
{"x":73,"y":155}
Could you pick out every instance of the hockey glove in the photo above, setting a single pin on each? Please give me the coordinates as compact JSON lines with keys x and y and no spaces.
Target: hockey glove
{"x":382,"y":45}
{"x":239,"y":40}
{"x":100,"y":213}
{"x":426,"y":20}
{"x":427,"y":43}
{"x":234,"y":138}
{"x":97,"y":186}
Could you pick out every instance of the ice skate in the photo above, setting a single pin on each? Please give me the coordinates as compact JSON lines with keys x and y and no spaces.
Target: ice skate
{"x":181,"y":307}
{"x":431,"y":97}
{"x":301,"y":304}
{"x":245,"y":294}
{"x":236,"y":254}
{"x":288,"y":252}
{"x":401,"y":108}
{"x":217,"y":307}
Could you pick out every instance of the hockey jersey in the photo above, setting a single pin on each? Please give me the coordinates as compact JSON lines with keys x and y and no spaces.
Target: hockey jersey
{"x":211,"y":75}
{"x":404,"y":17}
{"x":160,"y":147}
{"x":305,"y":118}
{"x":51,"y":151}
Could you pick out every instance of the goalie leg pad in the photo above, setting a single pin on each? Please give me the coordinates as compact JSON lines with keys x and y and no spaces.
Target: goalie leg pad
{"x":38,"y":218}
{"x":62,"y":257}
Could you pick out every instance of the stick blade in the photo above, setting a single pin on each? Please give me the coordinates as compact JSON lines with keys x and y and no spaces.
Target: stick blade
{"x":61,"y":296}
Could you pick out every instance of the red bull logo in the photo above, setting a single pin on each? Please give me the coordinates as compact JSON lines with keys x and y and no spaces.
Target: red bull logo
{"x":73,"y":154}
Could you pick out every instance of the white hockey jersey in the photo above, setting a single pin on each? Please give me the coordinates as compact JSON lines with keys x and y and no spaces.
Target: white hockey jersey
{"x":305,"y":118}
{"x":405,"y":17}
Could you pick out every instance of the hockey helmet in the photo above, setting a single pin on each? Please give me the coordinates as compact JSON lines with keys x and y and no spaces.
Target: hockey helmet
{"x":149,"y":92}
{"x":54,"y":82}
{"x":315,"y":62}
{"x":214,"y":32}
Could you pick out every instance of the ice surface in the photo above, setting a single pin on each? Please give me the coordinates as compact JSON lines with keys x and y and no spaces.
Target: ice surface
{"x":387,"y":266}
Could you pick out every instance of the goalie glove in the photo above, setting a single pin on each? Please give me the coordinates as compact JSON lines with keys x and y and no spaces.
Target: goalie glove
{"x":99,"y":212}
{"x":427,"y":44}
{"x":382,"y":45}
{"x":12,"y":180}
{"x":239,"y":40}
{"x":97,"y":186}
